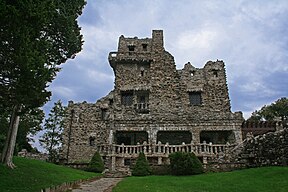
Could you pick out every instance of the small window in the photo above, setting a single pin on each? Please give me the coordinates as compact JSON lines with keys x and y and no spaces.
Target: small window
{"x":111,"y":101}
{"x":127,"y":98}
{"x":215,"y":73}
{"x":192,"y":73}
{"x":195,"y":98}
{"x":142,"y":71}
{"x":92,"y":141}
{"x":103,"y":114}
{"x":131,"y":47}
{"x":144,"y":46}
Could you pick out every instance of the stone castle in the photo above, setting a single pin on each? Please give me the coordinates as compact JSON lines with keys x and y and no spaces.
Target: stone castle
{"x":154,"y":108}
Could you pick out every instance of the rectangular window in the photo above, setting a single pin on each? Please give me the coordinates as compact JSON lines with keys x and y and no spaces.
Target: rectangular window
{"x":127,"y":98}
{"x":131,"y":47}
{"x":195,"y":98}
{"x":103,"y":114}
{"x":144,"y":47}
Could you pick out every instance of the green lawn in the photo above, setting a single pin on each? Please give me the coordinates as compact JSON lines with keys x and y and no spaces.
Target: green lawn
{"x":257,"y":179}
{"x":33,"y":175}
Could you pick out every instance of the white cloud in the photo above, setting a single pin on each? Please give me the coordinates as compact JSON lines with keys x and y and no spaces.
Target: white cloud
{"x":63,"y":92}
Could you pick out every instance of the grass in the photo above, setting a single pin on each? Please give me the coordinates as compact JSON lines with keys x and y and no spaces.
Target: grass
{"x":33,"y":175}
{"x":264,"y":179}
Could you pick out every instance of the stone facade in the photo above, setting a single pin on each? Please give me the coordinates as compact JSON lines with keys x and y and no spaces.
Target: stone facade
{"x":154,"y":103}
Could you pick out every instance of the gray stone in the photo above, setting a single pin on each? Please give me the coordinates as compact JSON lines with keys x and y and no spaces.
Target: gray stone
{"x":151,"y":97}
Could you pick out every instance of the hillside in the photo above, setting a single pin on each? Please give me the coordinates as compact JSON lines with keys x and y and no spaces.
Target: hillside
{"x":33,"y":175}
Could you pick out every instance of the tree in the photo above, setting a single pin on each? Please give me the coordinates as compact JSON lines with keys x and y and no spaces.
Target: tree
{"x":278,"y":109}
{"x":96,"y":164}
{"x":185,"y":164}
{"x":51,"y":139}
{"x":35,"y":38}
{"x":141,"y":167}
{"x":29,"y":125}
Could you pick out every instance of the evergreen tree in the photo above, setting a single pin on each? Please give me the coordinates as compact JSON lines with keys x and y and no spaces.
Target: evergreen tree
{"x":53,"y":127}
{"x":141,"y":167}
{"x":36,"y":38}
{"x":96,"y":164}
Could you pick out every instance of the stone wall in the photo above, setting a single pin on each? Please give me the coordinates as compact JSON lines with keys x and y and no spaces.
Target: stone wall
{"x":151,"y":95}
{"x":266,"y":150}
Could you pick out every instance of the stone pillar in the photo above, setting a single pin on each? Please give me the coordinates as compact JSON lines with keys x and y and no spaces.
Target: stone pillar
{"x":110,"y":138}
{"x":195,"y":136}
{"x":113,"y":163}
{"x":159,"y":160}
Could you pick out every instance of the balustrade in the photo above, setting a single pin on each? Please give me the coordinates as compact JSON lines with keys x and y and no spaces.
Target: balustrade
{"x":159,"y":149}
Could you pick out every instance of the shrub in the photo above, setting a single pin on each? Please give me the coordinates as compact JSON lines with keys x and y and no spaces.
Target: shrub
{"x":96,"y":164}
{"x":160,"y":170}
{"x":141,"y":167}
{"x":185,"y":164}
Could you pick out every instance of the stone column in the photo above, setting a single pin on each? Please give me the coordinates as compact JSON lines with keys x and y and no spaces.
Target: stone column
{"x":113,"y":163}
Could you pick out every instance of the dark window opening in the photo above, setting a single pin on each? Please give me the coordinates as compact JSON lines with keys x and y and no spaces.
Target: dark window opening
{"x":192,"y":73}
{"x":103,"y":114}
{"x":131,"y":137}
{"x":127,"y":162}
{"x":195,"y":98}
{"x":142,"y":105}
{"x":174,"y":137}
{"x":217,"y":137}
{"x":142,"y":71}
{"x":131,"y":47}
{"x":144,"y":47}
{"x":127,"y":98}
{"x":92,"y":141}
{"x":215,"y":73}
{"x":111,"y":101}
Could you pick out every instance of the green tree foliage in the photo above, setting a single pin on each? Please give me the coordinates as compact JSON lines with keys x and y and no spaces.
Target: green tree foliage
{"x":36,"y":37}
{"x":51,"y":140}
{"x":141,"y":167}
{"x":185,"y":164}
{"x":96,"y":164}
{"x":278,"y":109}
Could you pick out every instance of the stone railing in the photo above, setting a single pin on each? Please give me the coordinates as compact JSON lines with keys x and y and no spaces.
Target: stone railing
{"x":202,"y":149}
{"x":142,"y":107}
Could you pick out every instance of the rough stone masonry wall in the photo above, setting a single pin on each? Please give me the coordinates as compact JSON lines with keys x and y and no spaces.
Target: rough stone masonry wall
{"x":85,"y":121}
{"x":265,"y":150}
{"x":151,"y":69}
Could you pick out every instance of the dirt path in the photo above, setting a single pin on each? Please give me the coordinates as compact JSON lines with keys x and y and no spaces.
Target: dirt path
{"x":100,"y":185}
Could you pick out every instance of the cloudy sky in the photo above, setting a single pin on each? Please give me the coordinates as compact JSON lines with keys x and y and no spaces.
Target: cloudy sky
{"x":249,"y":36}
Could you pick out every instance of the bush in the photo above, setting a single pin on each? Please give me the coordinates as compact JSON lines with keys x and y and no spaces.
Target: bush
{"x":96,"y":164}
{"x":141,"y":167}
{"x":185,"y":164}
{"x":160,"y":170}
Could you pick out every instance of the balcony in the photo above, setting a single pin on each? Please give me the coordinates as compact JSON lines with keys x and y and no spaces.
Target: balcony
{"x":129,"y":57}
{"x":142,"y":107}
